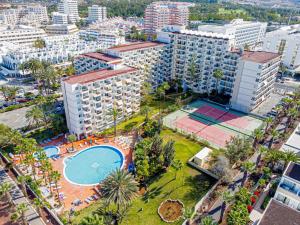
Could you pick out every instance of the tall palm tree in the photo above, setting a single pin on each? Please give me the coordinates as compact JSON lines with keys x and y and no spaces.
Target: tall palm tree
{"x":34,"y":116}
{"x":22,"y":182}
{"x":273,"y":157}
{"x":30,"y":161}
{"x":258,"y":135}
{"x":292,"y":113}
{"x":20,"y":213}
{"x":274,"y":135}
{"x":55,"y":176}
{"x":177,"y":165}
{"x":5,"y":189}
{"x":92,"y":220}
{"x":262,"y":150}
{"x":227,"y":198}
{"x":12,"y":93}
{"x":72,"y":138}
{"x":268,"y":122}
{"x":114,"y":113}
{"x":70,"y":70}
{"x":4,"y":91}
{"x":248,"y":167}
{"x":119,"y":188}
{"x":39,"y":204}
{"x":145,"y":111}
{"x":218,"y":75}
{"x":290,"y":156}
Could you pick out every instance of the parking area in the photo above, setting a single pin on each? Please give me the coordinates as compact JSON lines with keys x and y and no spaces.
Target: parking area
{"x":15,"y":119}
{"x":267,"y":105}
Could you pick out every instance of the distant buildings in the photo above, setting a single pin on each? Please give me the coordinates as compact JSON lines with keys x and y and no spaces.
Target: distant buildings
{"x":70,"y":8}
{"x":246,"y":33}
{"x":59,"y":18}
{"x":20,"y":34}
{"x":160,"y":14}
{"x":61,"y":29}
{"x":96,"y":13}
{"x":285,"y":41}
{"x":29,"y":14}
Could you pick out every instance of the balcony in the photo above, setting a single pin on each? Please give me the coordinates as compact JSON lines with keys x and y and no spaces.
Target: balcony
{"x":290,"y":188}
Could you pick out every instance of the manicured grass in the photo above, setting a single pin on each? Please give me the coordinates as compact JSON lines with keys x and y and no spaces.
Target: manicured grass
{"x":189,"y":187}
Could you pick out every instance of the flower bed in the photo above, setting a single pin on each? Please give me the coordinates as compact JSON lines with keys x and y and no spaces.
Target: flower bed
{"x":170,"y":210}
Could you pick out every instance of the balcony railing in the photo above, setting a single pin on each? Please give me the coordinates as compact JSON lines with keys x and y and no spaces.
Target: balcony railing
{"x":289,"y":188}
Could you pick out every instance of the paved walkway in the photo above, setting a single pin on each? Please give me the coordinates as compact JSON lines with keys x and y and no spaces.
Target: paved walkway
{"x":18,"y":198}
{"x":215,"y":211}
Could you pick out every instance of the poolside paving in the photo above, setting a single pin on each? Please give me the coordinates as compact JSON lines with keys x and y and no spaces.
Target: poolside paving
{"x":73,"y":191}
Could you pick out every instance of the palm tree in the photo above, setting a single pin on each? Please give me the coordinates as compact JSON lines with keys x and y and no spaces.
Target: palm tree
{"x":55,"y":177}
{"x":208,"y":220}
{"x":218,"y":75}
{"x":268,"y":121}
{"x":72,"y":138}
{"x":145,"y":111}
{"x":177,"y":165}
{"x":30,"y":161}
{"x":39,"y":43}
{"x":274,"y":135}
{"x":227,"y":198}
{"x":258,"y":136}
{"x":119,"y":188}
{"x":39,"y":204}
{"x":70,"y":70}
{"x":292,"y":113}
{"x":22,"y":182}
{"x":34,"y":116}
{"x":5,"y":189}
{"x":92,"y":220}
{"x":12,"y":93}
{"x":290,"y":156}
{"x":273,"y":157}
{"x":262,"y":150}
{"x":20,"y":213}
{"x":248,"y":167}
{"x":115,"y":113}
{"x":4,"y":91}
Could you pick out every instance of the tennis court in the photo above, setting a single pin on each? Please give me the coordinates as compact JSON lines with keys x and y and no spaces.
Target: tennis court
{"x":211,"y":122}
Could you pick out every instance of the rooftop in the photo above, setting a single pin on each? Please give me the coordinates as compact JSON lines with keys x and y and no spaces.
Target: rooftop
{"x":293,"y":143}
{"x":102,"y":57}
{"x":277,"y":213}
{"x":259,"y":56}
{"x":97,"y":75}
{"x":135,"y":45}
{"x":293,"y":171}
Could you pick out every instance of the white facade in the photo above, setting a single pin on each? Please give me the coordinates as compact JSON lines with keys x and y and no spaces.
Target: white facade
{"x":107,"y":38}
{"x":69,"y":7}
{"x":56,"y":29}
{"x":288,"y":190}
{"x":245,"y":32}
{"x":255,"y":78}
{"x":89,"y":98}
{"x":285,"y":41}
{"x":97,"y":13}
{"x":59,"y":18}
{"x":21,"y":34}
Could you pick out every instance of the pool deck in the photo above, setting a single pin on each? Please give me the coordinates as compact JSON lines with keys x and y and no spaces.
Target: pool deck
{"x":72,"y":191}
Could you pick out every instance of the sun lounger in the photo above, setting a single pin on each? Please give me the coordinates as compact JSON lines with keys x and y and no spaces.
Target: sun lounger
{"x":95,"y":197}
{"x":58,"y":187}
{"x":87,"y":201}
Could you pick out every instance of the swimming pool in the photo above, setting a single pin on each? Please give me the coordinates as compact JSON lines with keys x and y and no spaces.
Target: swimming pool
{"x":92,"y":165}
{"x":51,"y":151}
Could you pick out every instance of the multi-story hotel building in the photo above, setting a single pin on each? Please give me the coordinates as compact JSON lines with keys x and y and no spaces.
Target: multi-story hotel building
{"x":69,"y":7}
{"x":245,"y":32}
{"x":254,"y":80}
{"x":285,"y":41}
{"x":97,"y":13}
{"x":160,"y":14}
{"x":59,"y":18}
{"x":21,"y":34}
{"x":89,"y":98}
{"x":61,"y":29}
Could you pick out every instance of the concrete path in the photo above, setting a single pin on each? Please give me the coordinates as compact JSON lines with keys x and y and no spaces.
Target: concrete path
{"x":215,"y":211}
{"x":18,"y":198}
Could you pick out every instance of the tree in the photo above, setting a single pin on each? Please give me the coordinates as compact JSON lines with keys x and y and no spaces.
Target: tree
{"x":161,"y":90}
{"x":34,"y":116}
{"x":94,"y":219}
{"x":262,"y":150}
{"x":146,"y":93}
{"x":218,"y":75}
{"x":238,"y":215}
{"x":273,"y":157}
{"x":169,"y":153}
{"x":114,"y":113}
{"x":208,"y":220}
{"x":12,"y":93}
{"x":178,"y":102}
{"x":248,"y":167}
{"x":22,"y":182}
{"x":156,"y":150}
{"x":30,"y":161}
{"x":55,"y":177}
{"x":221,"y":169}
{"x":70,"y":70}
{"x":177,"y":165}
{"x":4,"y":91}
{"x":20,"y":213}
{"x":268,"y":121}
{"x":72,"y":138}
{"x":145,"y":111}
{"x":274,"y":135}
{"x":119,"y":188}
{"x":5,"y":189}
{"x":237,"y":149}
{"x":227,"y":198}
{"x":39,"y":43}
{"x":39,"y":204}
{"x":258,"y":136}
{"x":290,"y":156}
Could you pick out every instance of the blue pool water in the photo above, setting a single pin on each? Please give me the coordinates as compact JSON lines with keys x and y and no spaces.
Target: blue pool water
{"x":51,"y":151}
{"x":92,"y":165}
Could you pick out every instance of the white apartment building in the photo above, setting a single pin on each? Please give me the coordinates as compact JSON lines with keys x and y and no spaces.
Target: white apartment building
{"x":244,"y":32}
{"x":59,"y":18}
{"x":69,"y":7}
{"x":97,"y":13}
{"x":58,"y":29}
{"x":9,"y":17}
{"x":89,"y":98}
{"x":285,"y":41}
{"x":21,"y":34}
{"x":255,"y":78}
{"x":59,"y":49}
{"x":107,"y":38}
{"x":288,"y":190}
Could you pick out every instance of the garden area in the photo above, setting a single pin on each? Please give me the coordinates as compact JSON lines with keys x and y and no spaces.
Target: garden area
{"x":185,"y":184}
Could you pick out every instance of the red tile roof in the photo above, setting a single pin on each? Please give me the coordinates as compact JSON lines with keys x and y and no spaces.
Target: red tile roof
{"x":259,"y":56}
{"x":102,"y":57}
{"x":98,"y":75}
{"x":135,"y":46}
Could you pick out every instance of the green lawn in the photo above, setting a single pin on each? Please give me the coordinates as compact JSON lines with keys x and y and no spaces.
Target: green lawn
{"x":189,"y":187}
